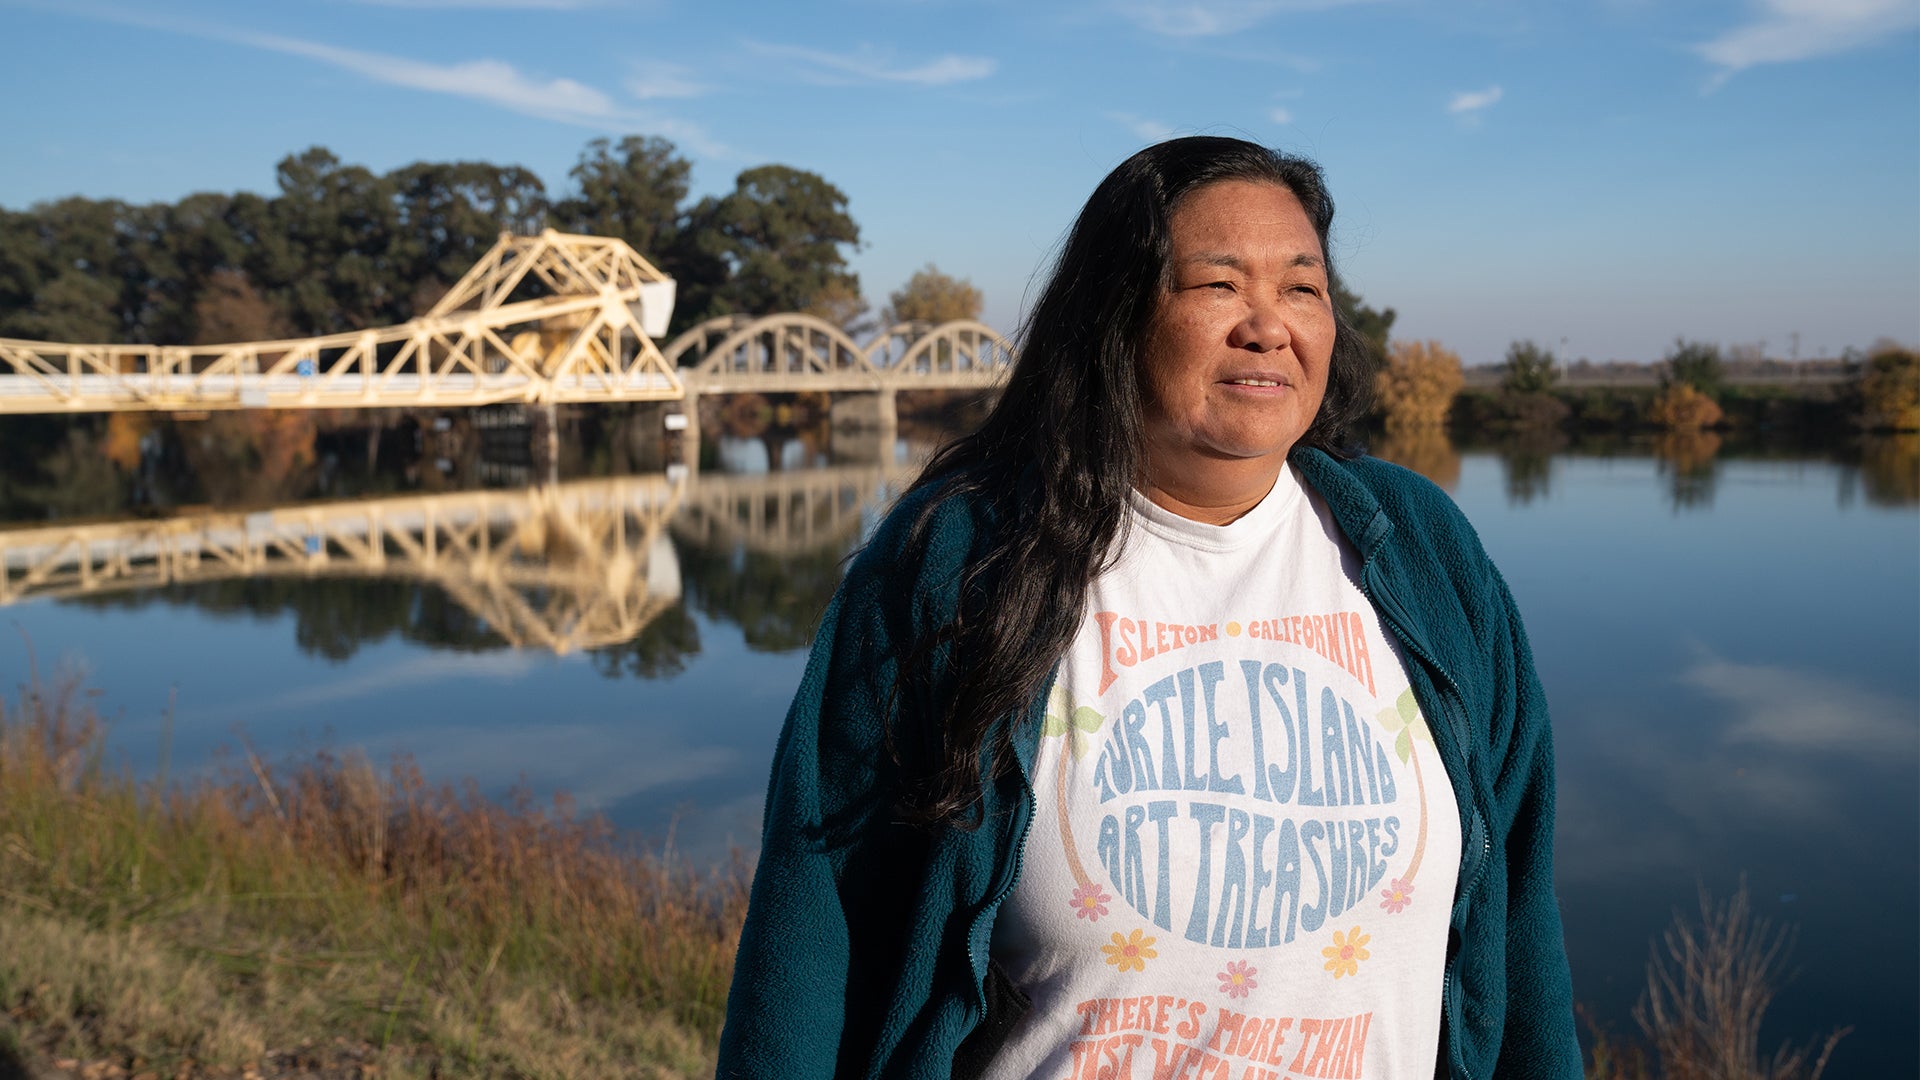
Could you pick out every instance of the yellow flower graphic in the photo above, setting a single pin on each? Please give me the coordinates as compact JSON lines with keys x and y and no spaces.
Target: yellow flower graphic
{"x":1130,"y":953}
{"x":1344,"y":955}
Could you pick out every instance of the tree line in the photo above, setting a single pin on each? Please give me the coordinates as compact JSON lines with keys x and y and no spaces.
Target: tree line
{"x":338,"y":247}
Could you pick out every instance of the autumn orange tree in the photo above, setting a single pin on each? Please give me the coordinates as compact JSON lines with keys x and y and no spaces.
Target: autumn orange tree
{"x":1417,"y":385}
{"x":1680,"y":407}
{"x":931,"y":296}
{"x":1890,"y":389}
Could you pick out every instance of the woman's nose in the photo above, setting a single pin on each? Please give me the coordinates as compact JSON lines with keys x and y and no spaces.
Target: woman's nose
{"x":1263,"y":328}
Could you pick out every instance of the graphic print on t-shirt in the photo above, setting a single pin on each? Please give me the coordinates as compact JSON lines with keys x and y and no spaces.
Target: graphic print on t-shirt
{"x":1236,"y":816}
{"x":1345,"y":753}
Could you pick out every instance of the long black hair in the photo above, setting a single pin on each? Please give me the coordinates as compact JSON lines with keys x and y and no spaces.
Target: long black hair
{"x":1052,"y":464}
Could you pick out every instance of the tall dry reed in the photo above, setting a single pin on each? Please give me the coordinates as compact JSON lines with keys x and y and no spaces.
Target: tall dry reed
{"x":1709,"y":985}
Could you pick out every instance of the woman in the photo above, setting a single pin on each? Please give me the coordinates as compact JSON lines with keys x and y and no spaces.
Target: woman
{"x":1125,"y":748}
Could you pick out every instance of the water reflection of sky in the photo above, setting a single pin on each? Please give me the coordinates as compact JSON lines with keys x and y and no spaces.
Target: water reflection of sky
{"x":690,"y":751}
{"x":1734,"y":684}
{"x":1735,"y":693}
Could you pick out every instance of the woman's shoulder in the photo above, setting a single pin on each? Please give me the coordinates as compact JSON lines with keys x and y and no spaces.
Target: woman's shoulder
{"x":925,"y":540}
{"x":1362,"y":486}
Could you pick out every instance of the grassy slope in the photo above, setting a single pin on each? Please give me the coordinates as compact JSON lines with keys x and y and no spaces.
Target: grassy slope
{"x":325,"y":904}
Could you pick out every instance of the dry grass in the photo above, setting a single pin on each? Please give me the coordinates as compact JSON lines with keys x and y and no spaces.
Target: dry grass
{"x":281,"y":907}
{"x":1709,"y":985}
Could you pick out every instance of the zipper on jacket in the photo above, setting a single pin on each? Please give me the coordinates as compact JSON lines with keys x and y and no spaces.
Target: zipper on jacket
{"x":1019,"y":840}
{"x":1019,"y":857}
{"x":1450,"y":986}
{"x":1447,"y":691}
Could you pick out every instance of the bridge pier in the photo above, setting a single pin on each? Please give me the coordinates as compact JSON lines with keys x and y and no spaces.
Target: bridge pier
{"x":680,"y":421}
{"x":546,"y":440}
{"x":877,"y":411}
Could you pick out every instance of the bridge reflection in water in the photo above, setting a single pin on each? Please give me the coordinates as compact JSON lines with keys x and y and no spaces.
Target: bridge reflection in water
{"x":564,"y":567}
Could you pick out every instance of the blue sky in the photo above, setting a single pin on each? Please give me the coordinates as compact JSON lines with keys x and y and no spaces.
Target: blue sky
{"x":1599,"y":175}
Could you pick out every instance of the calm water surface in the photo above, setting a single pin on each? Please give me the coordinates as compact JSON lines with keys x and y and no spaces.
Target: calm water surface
{"x":1729,"y":647}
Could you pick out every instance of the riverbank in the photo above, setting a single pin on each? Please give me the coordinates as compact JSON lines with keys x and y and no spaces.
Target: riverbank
{"x":320,"y":917}
{"x":321,"y":920}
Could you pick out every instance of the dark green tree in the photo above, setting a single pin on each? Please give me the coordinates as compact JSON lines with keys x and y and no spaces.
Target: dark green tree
{"x":450,"y":213}
{"x":76,"y":306}
{"x":20,"y":270}
{"x":341,"y":227}
{"x":1695,"y":364}
{"x":1372,"y":324}
{"x":632,"y":191}
{"x":180,"y":251}
{"x":65,"y":273}
{"x":772,"y":244}
{"x":339,"y":248}
{"x":1529,"y":369}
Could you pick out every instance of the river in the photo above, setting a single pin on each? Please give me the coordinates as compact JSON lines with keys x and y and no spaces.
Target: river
{"x":1729,"y":644}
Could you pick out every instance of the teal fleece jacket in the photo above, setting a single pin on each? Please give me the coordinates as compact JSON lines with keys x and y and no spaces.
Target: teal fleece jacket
{"x":865,"y":947}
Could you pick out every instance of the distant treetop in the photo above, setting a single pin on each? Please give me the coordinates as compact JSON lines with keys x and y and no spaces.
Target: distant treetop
{"x":931,"y":296}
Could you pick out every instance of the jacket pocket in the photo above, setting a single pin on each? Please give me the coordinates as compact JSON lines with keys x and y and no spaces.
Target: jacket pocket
{"x":1006,"y":1004}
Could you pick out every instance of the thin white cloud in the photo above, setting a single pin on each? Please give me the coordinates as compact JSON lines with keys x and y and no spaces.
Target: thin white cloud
{"x":1473,"y":101}
{"x":486,"y":5}
{"x":1786,"y":31}
{"x":657,"y":80}
{"x":495,"y":82}
{"x":1280,"y":116}
{"x":1220,"y":16}
{"x":1148,"y":129}
{"x":872,"y":65}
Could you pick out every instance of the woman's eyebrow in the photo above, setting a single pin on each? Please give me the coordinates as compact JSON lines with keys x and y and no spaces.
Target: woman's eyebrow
{"x":1234,"y":262}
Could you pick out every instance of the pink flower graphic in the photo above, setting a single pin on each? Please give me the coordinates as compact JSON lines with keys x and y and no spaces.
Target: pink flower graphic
{"x":1396,"y":899}
{"x":1237,"y":981}
{"x":1089,"y":902}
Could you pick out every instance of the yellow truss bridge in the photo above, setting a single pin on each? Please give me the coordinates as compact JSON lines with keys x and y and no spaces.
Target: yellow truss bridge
{"x":547,"y":319}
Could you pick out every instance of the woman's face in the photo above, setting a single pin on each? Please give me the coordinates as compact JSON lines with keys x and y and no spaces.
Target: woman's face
{"x":1237,"y":352}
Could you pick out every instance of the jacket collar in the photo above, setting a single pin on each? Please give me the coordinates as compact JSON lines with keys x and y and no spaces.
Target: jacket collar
{"x":1354,"y":507}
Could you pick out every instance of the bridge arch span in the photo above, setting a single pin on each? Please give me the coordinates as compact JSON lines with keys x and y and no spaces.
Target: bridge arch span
{"x":785,"y":352}
{"x":694,"y":343}
{"x":959,"y":351}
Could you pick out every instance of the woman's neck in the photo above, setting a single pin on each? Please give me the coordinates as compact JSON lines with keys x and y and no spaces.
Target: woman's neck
{"x":1214,"y":493}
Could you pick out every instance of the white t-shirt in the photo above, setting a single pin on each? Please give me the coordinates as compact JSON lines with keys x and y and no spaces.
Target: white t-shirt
{"x":1244,"y":851}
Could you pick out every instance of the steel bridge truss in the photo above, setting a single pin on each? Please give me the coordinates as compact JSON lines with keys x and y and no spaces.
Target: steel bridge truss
{"x":547,"y":318}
